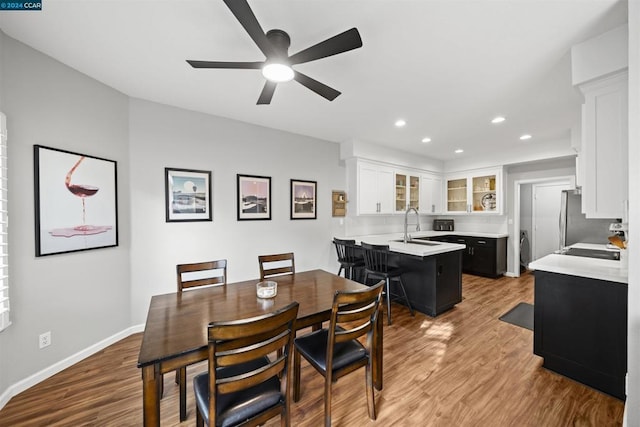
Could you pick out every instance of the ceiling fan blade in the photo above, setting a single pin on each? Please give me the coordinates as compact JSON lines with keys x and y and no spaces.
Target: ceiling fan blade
{"x":267,"y":93}
{"x":244,"y":15}
{"x":343,"y":42}
{"x":222,"y":64}
{"x":319,"y":88}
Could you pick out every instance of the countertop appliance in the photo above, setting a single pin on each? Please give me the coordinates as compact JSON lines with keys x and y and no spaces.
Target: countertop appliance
{"x":575,"y":227}
{"x":442,"y":225}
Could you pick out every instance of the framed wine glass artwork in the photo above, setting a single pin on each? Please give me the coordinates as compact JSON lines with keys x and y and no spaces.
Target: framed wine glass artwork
{"x":187,"y":195}
{"x":76,"y":201}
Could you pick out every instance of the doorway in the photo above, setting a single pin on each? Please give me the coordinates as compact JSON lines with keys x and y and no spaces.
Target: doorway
{"x":523,"y":218}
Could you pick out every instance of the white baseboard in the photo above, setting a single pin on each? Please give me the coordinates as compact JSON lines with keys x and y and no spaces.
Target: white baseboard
{"x":45,"y":373}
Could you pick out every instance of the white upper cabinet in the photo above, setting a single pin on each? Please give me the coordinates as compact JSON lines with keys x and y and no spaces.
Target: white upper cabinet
{"x":478,"y":191}
{"x":605,"y":146}
{"x":375,"y":189}
{"x":430,"y":194}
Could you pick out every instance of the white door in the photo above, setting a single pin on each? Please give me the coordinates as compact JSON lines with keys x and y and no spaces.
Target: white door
{"x":545,"y":220}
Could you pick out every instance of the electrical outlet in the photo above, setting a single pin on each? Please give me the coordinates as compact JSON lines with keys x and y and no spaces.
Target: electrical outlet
{"x":45,"y":339}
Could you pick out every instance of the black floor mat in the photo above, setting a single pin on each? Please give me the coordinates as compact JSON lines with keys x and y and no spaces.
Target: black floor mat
{"x":520,"y":315}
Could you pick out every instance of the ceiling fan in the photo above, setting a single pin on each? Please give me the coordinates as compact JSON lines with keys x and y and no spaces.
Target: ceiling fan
{"x":276,"y":68}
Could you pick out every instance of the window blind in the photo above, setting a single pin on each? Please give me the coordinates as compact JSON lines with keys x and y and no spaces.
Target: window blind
{"x":4,"y":228}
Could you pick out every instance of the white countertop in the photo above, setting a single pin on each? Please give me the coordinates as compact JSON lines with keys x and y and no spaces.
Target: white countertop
{"x":410,"y":248}
{"x":594,"y":268}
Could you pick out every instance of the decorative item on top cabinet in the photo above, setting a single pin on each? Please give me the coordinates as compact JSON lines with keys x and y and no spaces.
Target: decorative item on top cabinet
{"x":375,"y":189}
{"x":430,"y":194}
{"x":407,"y":193}
{"x":477,"y":191}
{"x":605,"y":143}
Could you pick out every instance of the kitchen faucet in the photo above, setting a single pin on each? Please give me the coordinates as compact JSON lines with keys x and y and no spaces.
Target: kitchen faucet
{"x":406,"y":221}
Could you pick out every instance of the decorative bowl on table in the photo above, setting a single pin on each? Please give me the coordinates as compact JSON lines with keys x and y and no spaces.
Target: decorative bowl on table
{"x":267,"y":289}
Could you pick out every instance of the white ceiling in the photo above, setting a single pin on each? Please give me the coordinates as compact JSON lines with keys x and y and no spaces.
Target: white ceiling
{"x":447,"y":67}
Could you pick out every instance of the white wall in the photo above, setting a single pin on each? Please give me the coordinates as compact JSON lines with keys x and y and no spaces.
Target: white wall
{"x":633,"y":394}
{"x":80,"y":297}
{"x":162,"y":136}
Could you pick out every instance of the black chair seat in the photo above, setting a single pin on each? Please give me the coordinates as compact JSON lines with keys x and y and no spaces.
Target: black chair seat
{"x":314,"y":348}
{"x":234,"y":408}
{"x":390,"y":273}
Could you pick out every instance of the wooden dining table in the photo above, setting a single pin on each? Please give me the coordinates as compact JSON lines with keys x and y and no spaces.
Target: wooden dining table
{"x":175,"y":334}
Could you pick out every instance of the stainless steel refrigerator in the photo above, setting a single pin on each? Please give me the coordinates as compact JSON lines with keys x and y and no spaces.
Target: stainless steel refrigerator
{"x":575,"y":227}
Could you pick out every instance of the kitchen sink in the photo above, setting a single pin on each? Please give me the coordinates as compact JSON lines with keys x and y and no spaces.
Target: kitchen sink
{"x":419,"y":241}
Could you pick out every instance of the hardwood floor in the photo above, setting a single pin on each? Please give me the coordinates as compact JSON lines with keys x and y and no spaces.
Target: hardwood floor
{"x":463,"y":368}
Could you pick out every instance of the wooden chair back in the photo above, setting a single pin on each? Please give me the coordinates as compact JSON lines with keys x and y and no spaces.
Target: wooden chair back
{"x":238,"y":342}
{"x":277,"y":264}
{"x":353,"y":315}
{"x":376,"y":257}
{"x":201,"y":274}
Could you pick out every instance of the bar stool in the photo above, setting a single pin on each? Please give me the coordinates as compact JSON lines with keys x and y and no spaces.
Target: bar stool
{"x":377,"y":267}
{"x":348,"y":257}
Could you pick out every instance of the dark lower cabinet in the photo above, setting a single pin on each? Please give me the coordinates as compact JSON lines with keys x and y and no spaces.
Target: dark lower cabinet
{"x":580,"y":329}
{"x":483,"y":256}
{"x":433,"y":283}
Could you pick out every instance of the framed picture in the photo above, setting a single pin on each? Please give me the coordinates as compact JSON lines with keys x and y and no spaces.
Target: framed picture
{"x":187,"y":195}
{"x":76,"y":201}
{"x":303,"y":199}
{"x":254,"y":197}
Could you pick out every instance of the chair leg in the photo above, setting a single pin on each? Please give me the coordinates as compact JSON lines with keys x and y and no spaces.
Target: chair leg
{"x":406,"y":297}
{"x":199,"y":419}
{"x":371,"y":402}
{"x":296,"y":375}
{"x":388,"y":303}
{"x":340,"y":270}
{"x":182,"y":383}
{"x":327,"y":402}
{"x":366,"y":276}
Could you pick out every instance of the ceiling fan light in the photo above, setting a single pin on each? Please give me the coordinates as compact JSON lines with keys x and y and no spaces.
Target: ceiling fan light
{"x":277,"y":72}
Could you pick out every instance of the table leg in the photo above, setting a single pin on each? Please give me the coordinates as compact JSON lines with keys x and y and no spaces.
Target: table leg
{"x":151,"y":395}
{"x":377,"y":360}
{"x":182,"y":381}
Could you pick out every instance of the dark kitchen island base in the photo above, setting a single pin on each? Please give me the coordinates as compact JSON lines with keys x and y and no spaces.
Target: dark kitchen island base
{"x":433,"y":283}
{"x":580,"y":329}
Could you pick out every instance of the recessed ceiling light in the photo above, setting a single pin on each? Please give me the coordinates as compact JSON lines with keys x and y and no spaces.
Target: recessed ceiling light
{"x":525,"y":137}
{"x":459,"y":150}
{"x":426,"y":139}
{"x":498,"y":119}
{"x":399,"y":123}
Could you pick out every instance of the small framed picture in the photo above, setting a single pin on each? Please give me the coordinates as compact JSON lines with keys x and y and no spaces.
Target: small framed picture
{"x":303,"y":199}
{"x":254,"y":197}
{"x":76,"y":202}
{"x":187,"y":195}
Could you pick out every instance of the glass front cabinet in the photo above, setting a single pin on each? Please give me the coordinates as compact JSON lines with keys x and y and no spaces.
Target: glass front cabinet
{"x":407,"y":192}
{"x":475,"y":192}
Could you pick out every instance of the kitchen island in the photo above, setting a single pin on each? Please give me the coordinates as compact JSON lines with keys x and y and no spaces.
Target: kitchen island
{"x":433,"y":270}
{"x":580,"y":319}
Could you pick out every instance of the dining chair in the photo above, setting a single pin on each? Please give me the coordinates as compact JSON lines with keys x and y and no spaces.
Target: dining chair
{"x":377,"y":266}
{"x":336,"y":351}
{"x":276,"y":265}
{"x":348,"y":257}
{"x":189,"y":276}
{"x":246,"y":385}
